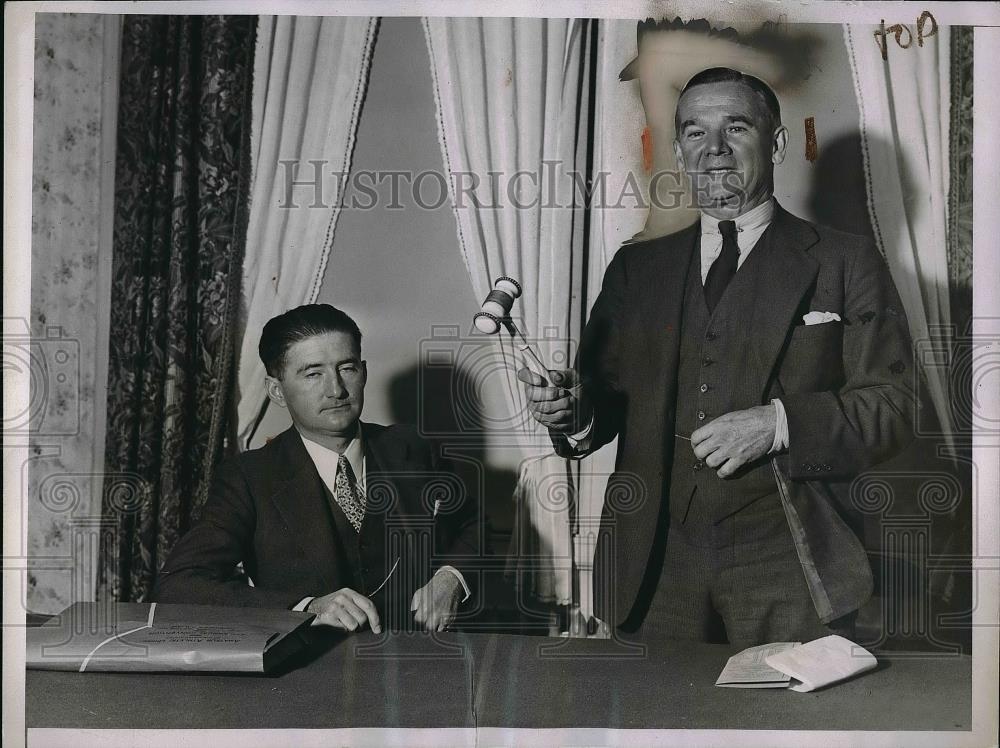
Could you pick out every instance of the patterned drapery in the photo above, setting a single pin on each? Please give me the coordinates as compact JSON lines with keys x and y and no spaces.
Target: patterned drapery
{"x":960,"y":188}
{"x":955,"y":588}
{"x":179,"y":236}
{"x":76,"y":65}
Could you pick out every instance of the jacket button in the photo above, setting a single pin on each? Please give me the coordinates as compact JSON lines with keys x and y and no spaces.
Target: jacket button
{"x":707,"y":361}
{"x":710,"y":335}
{"x":701,"y":415}
{"x":704,"y":388}
{"x":698,"y":465}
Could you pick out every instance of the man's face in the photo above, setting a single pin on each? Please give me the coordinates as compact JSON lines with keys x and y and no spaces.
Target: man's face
{"x":728,"y":145}
{"x":322,"y":385}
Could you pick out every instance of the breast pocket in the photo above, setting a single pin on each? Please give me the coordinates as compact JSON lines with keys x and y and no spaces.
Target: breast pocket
{"x":813,"y":360}
{"x":818,"y":332}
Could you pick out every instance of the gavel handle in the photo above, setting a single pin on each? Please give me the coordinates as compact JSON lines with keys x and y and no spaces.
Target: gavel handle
{"x":531,"y":358}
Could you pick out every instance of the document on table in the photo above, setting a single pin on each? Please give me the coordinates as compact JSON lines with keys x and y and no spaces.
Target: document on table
{"x":153,"y":637}
{"x":749,"y":669}
{"x":823,"y":661}
{"x":800,"y":667}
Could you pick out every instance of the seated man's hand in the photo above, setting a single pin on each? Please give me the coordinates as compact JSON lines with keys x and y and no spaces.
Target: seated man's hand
{"x":435,"y":604}
{"x":561,"y":406}
{"x":345,"y":609}
{"x":735,"y":439}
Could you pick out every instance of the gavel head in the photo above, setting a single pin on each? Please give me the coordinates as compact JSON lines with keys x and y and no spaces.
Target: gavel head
{"x":497,"y":305}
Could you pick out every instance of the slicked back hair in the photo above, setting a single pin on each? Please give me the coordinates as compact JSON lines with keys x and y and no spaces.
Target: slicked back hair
{"x":728,"y":75}
{"x":282,"y":332}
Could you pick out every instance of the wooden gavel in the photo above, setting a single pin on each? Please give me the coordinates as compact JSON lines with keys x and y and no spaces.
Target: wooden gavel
{"x":495,"y":312}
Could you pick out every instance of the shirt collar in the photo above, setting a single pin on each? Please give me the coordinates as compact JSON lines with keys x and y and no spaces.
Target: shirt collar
{"x":354,"y":452}
{"x":752,"y":219}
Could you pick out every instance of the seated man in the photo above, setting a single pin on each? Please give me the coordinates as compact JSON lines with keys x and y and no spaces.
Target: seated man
{"x":332,"y":516}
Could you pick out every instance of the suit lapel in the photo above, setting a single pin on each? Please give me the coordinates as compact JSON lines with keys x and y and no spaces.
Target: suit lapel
{"x":665,"y":286}
{"x":384,"y":476}
{"x":785,"y":273}
{"x":299,"y":498}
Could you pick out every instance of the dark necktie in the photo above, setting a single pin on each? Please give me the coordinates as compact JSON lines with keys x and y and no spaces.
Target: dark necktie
{"x":724,"y":267}
{"x":348,"y":495}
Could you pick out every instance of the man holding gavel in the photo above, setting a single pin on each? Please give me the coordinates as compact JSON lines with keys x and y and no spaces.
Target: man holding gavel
{"x":327,"y":516}
{"x":750,"y":367}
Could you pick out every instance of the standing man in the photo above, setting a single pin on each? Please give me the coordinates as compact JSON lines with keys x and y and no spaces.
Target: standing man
{"x":328,"y":516}
{"x":750,"y":366}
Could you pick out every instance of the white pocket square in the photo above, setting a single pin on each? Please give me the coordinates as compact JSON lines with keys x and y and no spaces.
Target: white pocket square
{"x":818,"y":318}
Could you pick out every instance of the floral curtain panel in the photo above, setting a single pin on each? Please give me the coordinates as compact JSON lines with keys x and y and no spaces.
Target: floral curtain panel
{"x":955,"y":587}
{"x":75,"y":98}
{"x":960,"y":195}
{"x":179,"y":233}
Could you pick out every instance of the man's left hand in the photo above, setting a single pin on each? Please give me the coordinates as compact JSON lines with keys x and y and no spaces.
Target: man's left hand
{"x":733,"y":440}
{"x":434,"y":605}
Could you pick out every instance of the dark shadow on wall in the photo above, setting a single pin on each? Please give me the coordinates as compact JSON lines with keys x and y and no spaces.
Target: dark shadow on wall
{"x":442,"y":401}
{"x":838,"y":197}
{"x":916,"y":507}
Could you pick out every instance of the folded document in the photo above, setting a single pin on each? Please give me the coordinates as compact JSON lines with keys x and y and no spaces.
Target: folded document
{"x":822,"y":662}
{"x":153,"y":637}
{"x":749,"y":668}
{"x":801,"y":667}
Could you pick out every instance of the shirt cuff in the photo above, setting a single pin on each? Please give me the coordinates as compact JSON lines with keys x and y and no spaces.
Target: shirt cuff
{"x":461,"y":580}
{"x":302,"y":604}
{"x":576,"y":439}
{"x":780,"y":427}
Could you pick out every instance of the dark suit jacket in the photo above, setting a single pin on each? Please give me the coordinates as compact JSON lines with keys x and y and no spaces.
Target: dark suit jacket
{"x":267,"y":509}
{"x":847,"y":388}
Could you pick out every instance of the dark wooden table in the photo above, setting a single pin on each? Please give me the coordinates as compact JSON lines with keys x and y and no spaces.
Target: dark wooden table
{"x":493,"y":680}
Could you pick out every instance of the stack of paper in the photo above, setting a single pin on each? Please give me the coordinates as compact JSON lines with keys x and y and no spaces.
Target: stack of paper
{"x":153,"y":637}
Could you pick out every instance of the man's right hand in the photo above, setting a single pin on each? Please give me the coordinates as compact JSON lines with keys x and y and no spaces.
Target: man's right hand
{"x":561,"y":406}
{"x":345,"y":609}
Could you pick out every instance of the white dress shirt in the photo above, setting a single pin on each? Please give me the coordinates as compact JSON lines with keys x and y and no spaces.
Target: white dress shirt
{"x":326,"y":461}
{"x":750,"y":227}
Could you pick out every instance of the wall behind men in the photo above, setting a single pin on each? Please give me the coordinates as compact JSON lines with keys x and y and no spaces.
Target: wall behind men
{"x":828,"y":187}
